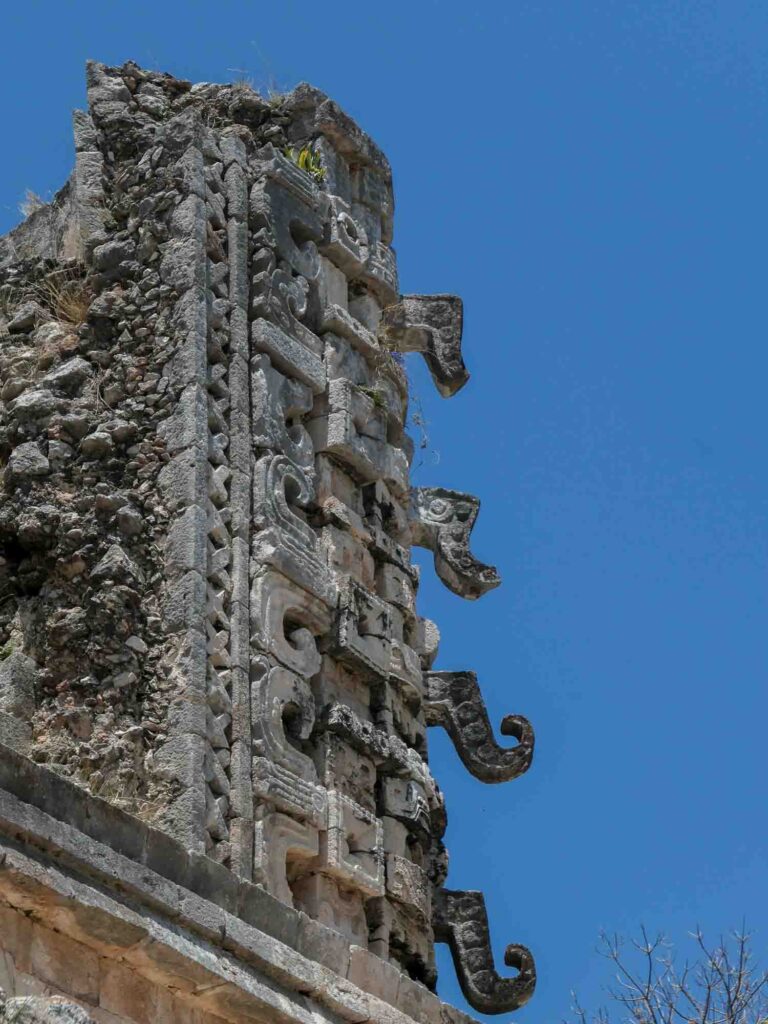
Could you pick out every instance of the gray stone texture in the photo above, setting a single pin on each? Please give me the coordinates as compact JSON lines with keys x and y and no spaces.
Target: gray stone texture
{"x":215,"y":687}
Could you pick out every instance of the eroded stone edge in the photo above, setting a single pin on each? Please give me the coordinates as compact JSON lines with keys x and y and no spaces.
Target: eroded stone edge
{"x":71,"y":865}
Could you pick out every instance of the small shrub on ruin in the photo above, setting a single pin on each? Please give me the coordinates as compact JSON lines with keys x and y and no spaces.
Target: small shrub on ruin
{"x":308,"y":160}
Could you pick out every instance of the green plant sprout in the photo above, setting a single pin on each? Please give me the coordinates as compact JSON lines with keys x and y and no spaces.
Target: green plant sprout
{"x":308,"y":160}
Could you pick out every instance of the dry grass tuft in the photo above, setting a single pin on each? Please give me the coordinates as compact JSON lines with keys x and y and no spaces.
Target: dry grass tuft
{"x":66,"y":294}
{"x":9,"y":300}
{"x":30,"y":203}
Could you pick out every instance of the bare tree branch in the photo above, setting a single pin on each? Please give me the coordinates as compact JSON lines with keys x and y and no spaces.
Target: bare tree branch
{"x":721,"y":986}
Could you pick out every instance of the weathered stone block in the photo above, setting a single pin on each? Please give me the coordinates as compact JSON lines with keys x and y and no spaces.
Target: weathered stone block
{"x":67,"y":965}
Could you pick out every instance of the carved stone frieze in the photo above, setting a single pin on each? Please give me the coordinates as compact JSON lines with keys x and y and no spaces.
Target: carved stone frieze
{"x":453,"y":700}
{"x":281,"y":297}
{"x":362,"y":633}
{"x":345,"y":241}
{"x":279,"y":787}
{"x":408,"y":884}
{"x":286,"y":621}
{"x":287,"y":212}
{"x":278,"y":404}
{"x":282,"y":537}
{"x":405,"y":799}
{"x":442,"y":521}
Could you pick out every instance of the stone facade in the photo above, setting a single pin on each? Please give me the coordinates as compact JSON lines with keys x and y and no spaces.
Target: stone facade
{"x":215,"y":687}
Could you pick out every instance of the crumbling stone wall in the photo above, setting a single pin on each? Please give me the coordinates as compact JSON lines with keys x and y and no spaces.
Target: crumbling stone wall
{"x":207,"y":603}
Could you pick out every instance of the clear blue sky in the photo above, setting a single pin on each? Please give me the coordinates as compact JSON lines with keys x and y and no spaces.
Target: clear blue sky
{"x":591,"y":177}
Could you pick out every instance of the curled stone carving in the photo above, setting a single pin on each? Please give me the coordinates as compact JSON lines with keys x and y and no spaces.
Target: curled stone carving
{"x":278,"y":403}
{"x":279,"y":696}
{"x":460,"y":920}
{"x":432,"y":325}
{"x":287,"y":212}
{"x":453,"y":700}
{"x":281,"y":297}
{"x":345,"y":240}
{"x":285,"y":621}
{"x":441,"y":521}
{"x":283,"y":539}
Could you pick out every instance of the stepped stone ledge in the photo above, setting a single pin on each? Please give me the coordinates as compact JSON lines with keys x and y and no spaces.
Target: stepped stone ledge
{"x":216,"y":801}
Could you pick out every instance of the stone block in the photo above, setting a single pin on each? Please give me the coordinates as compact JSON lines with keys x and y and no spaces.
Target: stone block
{"x":167,"y":960}
{"x":256,"y":907}
{"x":291,"y":357}
{"x":352,"y":848}
{"x":16,"y":936}
{"x":27,"y":463}
{"x":417,"y":1002}
{"x":332,"y":285}
{"x":183,"y":480}
{"x":323,"y":945}
{"x":374,"y":975}
{"x":212,"y":881}
{"x":183,"y":602}
{"x":125,"y":993}
{"x":407,"y":883}
{"x":67,"y":965}
{"x":185,"y":546}
{"x":275,"y":958}
{"x":347,"y":555}
{"x":205,"y":916}
{"x":14,"y":733}
{"x":346,"y":327}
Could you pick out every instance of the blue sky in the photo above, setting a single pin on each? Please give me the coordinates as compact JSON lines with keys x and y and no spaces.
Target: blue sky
{"x":591,"y":177}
